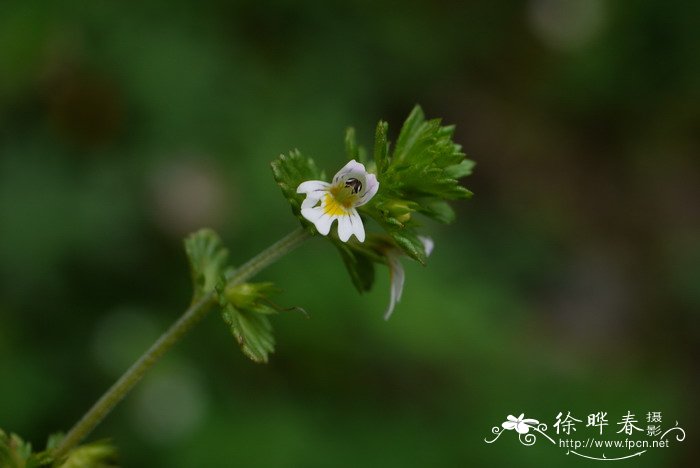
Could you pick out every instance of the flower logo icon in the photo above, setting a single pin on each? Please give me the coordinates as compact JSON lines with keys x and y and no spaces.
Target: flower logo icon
{"x":521,"y":425}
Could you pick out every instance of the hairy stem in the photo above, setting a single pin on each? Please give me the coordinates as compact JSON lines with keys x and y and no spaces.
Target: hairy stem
{"x":189,"y":318}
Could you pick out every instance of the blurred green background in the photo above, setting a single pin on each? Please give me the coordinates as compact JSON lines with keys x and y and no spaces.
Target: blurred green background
{"x":570,"y":282}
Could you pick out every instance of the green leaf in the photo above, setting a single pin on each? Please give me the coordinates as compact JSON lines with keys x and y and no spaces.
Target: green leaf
{"x":249,"y":295}
{"x":101,"y":454}
{"x":290,"y":171}
{"x":207,"y":258}
{"x":409,"y":133}
{"x":359,"y":266}
{"x":14,"y":452}
{"x":54,"y":440}
{"x":246,"y":308}
{"x":438,"y":210}
{"x":392,"y":211}
{"x":420,"y":175}
{"x":252,"y":330}
{"x":460,"y":170}
{"x":409,"y":243}
{"x":425,"y":148}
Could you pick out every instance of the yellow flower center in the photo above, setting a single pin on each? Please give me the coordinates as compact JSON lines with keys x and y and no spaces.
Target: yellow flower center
{"x":333,"y":206}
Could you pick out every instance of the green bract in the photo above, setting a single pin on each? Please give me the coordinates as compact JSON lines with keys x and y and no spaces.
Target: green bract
{"x":245,"y":308}
{"x":207,"y":257}
{"x":252,"y":330}
{"x":290,"y":171}
{"x":99,"y":454}
{"x":251,"y":296}
{"x":243,"y":305}
{"x":420,"y":175}
{"x":15,"y":453}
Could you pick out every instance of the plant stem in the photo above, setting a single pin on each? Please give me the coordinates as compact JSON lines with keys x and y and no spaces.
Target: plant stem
{"x":189,"y":318}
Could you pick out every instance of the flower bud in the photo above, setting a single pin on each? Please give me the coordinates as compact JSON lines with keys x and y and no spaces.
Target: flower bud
{"x":400,"y":210}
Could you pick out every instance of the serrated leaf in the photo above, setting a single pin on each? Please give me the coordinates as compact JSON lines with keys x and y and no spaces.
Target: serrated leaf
{"x":460,"y":170}
{"x":249,"y":295}
{"x":291,"y":170}
{"x":438,"y":210}
{"x":409,"y":243}
{"x":101,"y":454}
{"x":14,"y":452}
{"x":409,"y":132}
{"x":359,"y":266}
{"x":54,"y":440}
{"x":207,"y":257}
{"x":252,"y":330}
{"x":421,"y":175}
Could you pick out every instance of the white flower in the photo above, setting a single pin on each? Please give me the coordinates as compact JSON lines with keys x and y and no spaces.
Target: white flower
{"x":325,"y":202}
{"x":397,"y":275}
{"x":522,"y":426}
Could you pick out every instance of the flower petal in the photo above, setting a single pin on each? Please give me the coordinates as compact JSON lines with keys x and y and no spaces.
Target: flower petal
{"x":531,"y":422}
{"x":312,"y":200}
{"x":313,"y":186}
{"x":323,"y":224}
{"x":312,"y":214}
{"x":357,"y":227}
{"x":370,"y":189}
{"x":397,"y":277}
{"x":321,"y":220}
{"x":522,"y":428}
{"x":345,"y":229}
{"x":428,"y":244}
{"x":351,"y":167}
{"x":508,"y":425}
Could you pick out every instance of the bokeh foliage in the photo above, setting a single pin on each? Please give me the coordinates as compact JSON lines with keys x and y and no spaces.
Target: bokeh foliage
{"x":569,"y":282}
